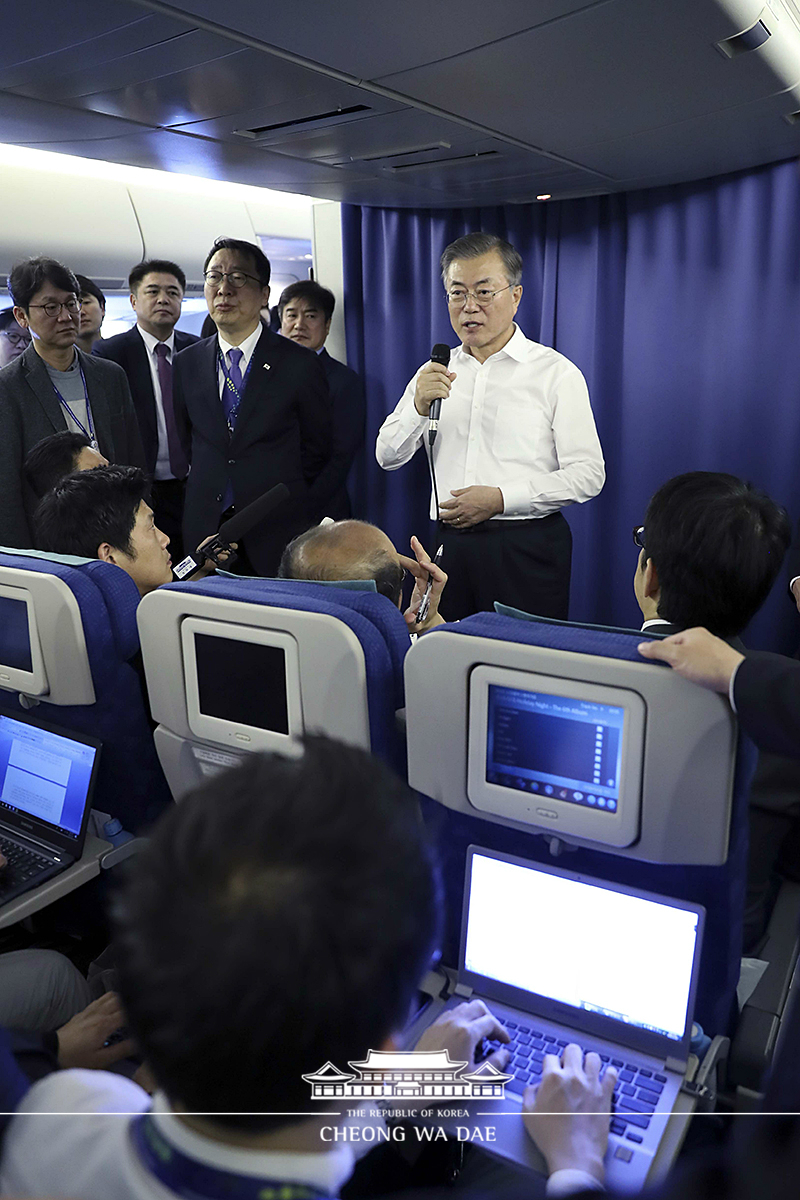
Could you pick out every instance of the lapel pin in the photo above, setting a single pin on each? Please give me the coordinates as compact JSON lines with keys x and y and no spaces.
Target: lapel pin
{"x":266,"y":366}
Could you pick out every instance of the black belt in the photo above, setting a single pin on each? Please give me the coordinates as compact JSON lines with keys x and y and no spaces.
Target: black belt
{"x":492,"y":526}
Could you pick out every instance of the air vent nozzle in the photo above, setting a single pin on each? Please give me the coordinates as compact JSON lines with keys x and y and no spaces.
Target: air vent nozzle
{"x":742,"y":43}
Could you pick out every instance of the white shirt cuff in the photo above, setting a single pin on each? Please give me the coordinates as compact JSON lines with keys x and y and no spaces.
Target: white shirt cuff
{"x":730,"y":686}
{"x":569,"y":1180}
{"x":792,"y":582}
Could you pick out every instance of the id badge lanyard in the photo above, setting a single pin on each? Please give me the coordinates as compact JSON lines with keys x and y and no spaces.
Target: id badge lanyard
{"x":89,"y":433}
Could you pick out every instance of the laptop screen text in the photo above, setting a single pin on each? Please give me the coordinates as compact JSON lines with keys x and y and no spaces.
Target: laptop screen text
{"x":581,"y":944}
{"x":44,"y":775}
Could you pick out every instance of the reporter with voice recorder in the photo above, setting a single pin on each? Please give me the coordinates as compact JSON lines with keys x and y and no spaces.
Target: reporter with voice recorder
{"x":516,"y":441}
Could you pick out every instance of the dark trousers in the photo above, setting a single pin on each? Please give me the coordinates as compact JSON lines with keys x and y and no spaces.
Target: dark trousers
{"x":167,"y":501}
{"x":525,"y":564}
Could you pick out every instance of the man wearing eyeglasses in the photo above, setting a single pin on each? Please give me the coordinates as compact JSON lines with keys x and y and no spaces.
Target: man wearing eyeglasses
{"x":257,"y":409}
{"x":517,"y":441}
{"x":54,"y":386}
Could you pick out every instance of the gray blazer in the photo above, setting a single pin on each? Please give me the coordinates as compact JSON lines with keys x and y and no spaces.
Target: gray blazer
{"x":30,"y":411}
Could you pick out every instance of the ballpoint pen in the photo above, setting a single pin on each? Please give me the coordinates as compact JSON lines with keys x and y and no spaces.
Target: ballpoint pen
{"x":422,"y":612}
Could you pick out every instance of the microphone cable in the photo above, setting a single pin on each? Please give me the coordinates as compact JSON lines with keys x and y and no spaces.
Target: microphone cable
{"x":439,"y":354}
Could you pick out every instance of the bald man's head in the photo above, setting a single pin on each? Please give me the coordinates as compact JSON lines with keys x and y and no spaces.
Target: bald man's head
{"x":345,"y":550}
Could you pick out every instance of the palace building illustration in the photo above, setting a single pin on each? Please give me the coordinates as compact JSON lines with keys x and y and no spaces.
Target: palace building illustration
{"x":411,"y":1075}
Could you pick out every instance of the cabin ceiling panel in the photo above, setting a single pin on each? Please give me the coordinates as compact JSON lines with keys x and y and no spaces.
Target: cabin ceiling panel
{"x":610,"y":71}
{"x":107,"y":33}
{"x":32,"y":30}
{"x":368,"y":40}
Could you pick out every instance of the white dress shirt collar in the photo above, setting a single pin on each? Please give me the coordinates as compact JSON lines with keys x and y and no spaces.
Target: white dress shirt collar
{"x":151,"y":342}
{"x":247,"y":347}
{"x":328,"y":1170}
{"x":516,"y":347}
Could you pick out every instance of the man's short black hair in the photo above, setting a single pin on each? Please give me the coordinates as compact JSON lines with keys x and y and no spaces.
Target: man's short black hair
{"x":313,"y":292}
{"x":28,"y":277}
{"x":279,"y":917}
{"x":162,"y":265}
{"x":717,"y":544}
{"x":52,"y":458}
{"x":89,"y":288}
{"x":260,"y":260}
{"x":316,"y":555}
{"x":89,"y":508}
{"x":8,"y":320}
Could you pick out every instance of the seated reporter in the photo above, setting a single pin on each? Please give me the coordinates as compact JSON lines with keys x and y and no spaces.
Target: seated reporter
{"x":351,"y":550}
{"x":318,"y":900}
{"x":58,"y":455}
{"x":104,"y":513}
{"x":711,"y":547}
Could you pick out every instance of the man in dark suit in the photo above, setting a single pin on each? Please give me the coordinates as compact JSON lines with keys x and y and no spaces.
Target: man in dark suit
{"x":146,"y":354}
{"x":711,"y":548}
{"x":305,"y":310}
{"x":258,"y":411}
{"x":55,"y":386}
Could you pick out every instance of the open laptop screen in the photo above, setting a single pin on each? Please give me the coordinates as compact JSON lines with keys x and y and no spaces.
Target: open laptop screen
{"x":46,"y":775}
{"x":581,"y":942}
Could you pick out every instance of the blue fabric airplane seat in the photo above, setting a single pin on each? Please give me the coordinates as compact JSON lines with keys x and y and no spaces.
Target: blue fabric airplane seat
{"x":340,"y":672}
{"x":690,"y":786}
{"x":68,"y":651}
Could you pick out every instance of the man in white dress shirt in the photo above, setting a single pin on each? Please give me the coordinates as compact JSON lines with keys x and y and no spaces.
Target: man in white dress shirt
{"x":517,"y":441}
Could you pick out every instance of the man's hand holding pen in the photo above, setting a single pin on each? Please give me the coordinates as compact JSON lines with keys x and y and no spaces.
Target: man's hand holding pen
{"x":422,"y":613}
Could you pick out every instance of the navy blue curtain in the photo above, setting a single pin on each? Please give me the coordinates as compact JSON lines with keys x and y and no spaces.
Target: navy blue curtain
{"x":681,"y":306}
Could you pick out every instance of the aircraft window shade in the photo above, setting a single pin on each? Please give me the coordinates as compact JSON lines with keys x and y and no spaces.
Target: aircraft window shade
{"x":563,"y":755}
{"x":242,"y":682}
{"x":16,"y":644}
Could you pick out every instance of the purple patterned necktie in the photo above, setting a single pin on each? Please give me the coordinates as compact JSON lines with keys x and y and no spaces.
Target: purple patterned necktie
{"x":231,"y":399}
{"x":230,"y":404}
{"x":178,"y":461}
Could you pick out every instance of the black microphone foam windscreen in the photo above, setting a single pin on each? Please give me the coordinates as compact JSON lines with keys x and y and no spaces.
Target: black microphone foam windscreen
{"x":441,"y":354}
{"x":241,"y":522}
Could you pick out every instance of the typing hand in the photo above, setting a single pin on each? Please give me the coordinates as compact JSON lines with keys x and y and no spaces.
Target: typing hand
{"x":81,"y":1042}
{"x":461,"y":1030}
{"x":568,"y":1114}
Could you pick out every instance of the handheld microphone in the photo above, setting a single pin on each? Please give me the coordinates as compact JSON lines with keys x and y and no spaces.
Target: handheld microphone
{"x":439,"y":354}
{"x":233,"y":529}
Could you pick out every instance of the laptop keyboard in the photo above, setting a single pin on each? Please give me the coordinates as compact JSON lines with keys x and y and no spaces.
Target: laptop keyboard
{"x":23,"y":864}
{"x":635,"y":1096}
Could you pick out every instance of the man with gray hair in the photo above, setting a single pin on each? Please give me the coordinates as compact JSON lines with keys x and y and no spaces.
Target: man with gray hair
{"x":517,"y":441}
{"x":335,"y":551}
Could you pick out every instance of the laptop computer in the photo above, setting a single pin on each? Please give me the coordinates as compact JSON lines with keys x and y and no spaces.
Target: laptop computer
{"x":47,"y":778}
{"x":560,"y":957}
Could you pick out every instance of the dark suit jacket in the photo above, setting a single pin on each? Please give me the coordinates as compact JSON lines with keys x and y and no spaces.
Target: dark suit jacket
{"x":129,"y":351}
{"x":766,"y":692}
{"x":283,"y":435}
{"x":30,"y":411}
{"x":349,"y":418}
